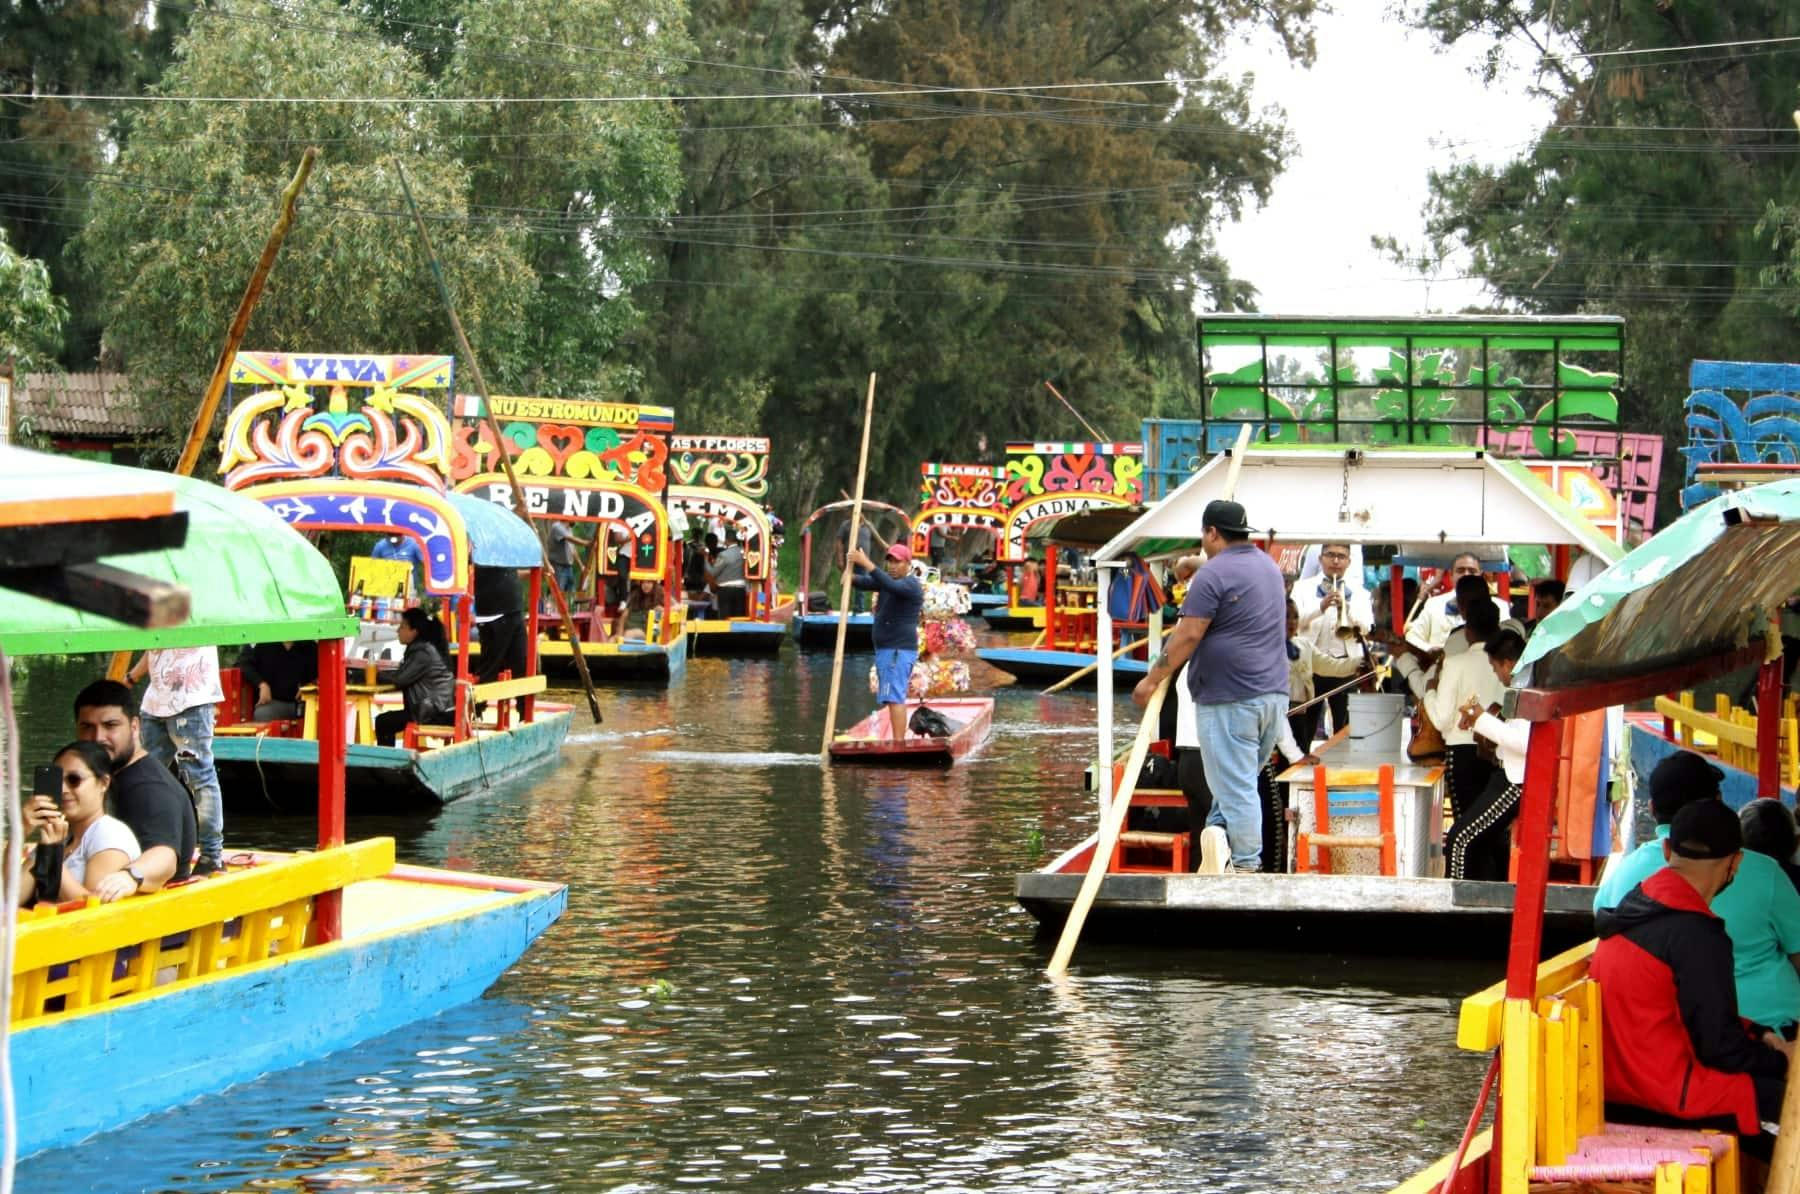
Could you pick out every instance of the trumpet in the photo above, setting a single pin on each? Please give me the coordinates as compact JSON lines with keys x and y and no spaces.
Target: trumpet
{"x":1346,"y":629}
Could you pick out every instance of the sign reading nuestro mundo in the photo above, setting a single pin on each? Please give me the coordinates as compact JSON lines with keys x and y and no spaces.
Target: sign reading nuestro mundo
{"x":588,"y":412}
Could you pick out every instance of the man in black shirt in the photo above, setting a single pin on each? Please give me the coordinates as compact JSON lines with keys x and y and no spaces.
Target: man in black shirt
{"x":145,"y":795}
{"x":277,"y":672}
{"x":500,"y":623}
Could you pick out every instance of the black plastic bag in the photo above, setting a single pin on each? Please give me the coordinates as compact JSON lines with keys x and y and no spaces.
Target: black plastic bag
{"x":929,"y":723}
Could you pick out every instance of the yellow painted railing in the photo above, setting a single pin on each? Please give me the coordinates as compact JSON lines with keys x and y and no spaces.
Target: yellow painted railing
{"x":66,"y":961}
{"x":1732,"y":732}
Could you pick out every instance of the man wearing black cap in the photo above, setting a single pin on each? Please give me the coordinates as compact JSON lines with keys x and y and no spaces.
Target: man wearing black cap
{"x":1234,"y":627}
{"x":1674,"y":1045}
{"x":1678,"y":780}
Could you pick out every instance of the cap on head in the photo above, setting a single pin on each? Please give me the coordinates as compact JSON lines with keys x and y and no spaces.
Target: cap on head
{"x":1222,"y":515}
{"x":901,"y":552}
{"x":1679,"y":780}
{"x":1706,"y":829}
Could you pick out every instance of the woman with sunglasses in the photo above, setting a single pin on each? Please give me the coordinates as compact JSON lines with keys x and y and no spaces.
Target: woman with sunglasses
{"x":94,"y":845}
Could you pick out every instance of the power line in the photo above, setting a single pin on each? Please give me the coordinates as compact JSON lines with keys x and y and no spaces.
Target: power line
{"x":1717,"y":45}
{"x":458,"y":100}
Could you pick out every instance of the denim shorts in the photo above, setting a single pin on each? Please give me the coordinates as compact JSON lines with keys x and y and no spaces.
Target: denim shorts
{"x":893,"y":670}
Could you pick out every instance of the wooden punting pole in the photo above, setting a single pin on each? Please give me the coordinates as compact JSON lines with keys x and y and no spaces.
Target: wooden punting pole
{"x":518,"y":491}
{"x":234,"y":336}
{"x":843,"y":626}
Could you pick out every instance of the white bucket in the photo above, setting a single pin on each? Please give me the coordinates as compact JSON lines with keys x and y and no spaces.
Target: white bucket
{"x":1375,"y":721}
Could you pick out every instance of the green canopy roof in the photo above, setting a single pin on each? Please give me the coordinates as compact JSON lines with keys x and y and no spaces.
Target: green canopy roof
{"x":1701,"y":589}
{"x":252,"y":578}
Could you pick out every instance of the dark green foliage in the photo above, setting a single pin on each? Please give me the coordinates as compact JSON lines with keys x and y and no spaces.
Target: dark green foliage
{"x":1665,"y":191}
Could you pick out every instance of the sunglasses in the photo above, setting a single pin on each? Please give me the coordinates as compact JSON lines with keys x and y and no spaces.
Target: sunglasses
{"x":74,"y":779}
{"x":1337,"y":555}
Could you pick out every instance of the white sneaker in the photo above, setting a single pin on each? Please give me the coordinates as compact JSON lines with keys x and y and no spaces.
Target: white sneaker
{"x":1215,"y":851}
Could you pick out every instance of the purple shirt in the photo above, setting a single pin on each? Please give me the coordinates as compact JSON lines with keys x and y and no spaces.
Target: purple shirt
{"x":1244,"y":653}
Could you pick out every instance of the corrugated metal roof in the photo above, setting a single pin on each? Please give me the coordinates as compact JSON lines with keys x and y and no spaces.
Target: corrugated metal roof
{"x":96,"y":404}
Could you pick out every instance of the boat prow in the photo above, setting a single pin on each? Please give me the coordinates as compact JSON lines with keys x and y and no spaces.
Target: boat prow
{"x":233,"y":959}
{"x":867,"y":741}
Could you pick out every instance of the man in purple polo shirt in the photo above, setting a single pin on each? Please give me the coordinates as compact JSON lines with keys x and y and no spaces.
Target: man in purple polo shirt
{"x":1234,"y":626}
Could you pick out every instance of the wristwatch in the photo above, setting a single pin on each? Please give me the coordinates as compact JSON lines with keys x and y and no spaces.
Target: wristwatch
{"x":137,"y":877}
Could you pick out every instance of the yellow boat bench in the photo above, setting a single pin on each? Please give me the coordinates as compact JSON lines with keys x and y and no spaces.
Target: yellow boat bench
{"x":1553,"y":1133}
{"x":66,"y":961}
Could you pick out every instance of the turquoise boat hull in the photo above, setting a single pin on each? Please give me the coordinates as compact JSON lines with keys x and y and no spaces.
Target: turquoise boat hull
{"x":268,"y":1016}
{"x":737,"y":637}
{"x":820,"y":630}
{"x":262,"y":775}
{"x":1040,"y":665}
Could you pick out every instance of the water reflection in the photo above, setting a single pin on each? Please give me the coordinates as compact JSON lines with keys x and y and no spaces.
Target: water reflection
{"x":775,"y":976}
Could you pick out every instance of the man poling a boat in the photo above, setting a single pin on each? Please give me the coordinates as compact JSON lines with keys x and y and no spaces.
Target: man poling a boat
{"x":1234,"y":626}
{"x":896,"y":629}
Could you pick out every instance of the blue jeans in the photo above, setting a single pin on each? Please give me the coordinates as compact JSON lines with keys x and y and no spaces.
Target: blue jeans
{"x":565,"y":577}
{"x":893,"y":670}
{"x":186,"y":741}
{"x":1236,"y":739}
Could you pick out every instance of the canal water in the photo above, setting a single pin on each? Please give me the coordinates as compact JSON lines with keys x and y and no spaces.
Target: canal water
{"x":777,"y":977}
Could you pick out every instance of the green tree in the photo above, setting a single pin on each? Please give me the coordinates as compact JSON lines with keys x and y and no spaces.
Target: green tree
{"x":176,"y":232}
{"x":51,"y":144}
{"x":966,"y":245}
{"x":589,"y":177}
{"x":31,"y":315}
{"x":1658,"y":193}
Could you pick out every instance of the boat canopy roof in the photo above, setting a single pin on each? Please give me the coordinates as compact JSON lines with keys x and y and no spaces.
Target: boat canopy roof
{"x":868,"y":503}
{"x":1410,"y":496}
{"x":498,"y":538}
{"x":251,"y":578}
{"x":1703,"y":589}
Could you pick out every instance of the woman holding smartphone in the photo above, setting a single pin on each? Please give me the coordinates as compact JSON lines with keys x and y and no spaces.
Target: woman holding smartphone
{"x":93,"y":844}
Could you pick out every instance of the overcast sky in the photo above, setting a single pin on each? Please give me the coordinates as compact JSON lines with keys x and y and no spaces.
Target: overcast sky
{"x":1379,"y":108}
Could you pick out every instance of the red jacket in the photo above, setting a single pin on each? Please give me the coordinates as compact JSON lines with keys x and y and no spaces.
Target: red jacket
{"x":1673,"y":1041}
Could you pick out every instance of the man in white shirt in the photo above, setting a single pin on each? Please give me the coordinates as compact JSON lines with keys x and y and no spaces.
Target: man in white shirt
{"x":1431,"y":629}
{"x":1319,"y":598}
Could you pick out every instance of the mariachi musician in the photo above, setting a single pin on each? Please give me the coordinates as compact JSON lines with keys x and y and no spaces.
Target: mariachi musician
{"x":1335,"y":612}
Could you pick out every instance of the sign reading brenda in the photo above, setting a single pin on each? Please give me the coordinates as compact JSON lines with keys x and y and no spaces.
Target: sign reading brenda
{"x":1049,"y":480}
{"x":578,"y":459}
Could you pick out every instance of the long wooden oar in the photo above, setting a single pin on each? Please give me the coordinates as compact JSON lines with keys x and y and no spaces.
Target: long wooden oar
{"x":843,"y":626}
{"x":1082,"y":673}
{"x":201,"y":427}
{"x":1784,"y":1166}
{"x":1114,"y":820}
{"x":518,"y":491}
{"x":1108,"y":834}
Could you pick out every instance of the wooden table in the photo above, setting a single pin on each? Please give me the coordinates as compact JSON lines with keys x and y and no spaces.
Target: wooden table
{"x":361,"y":700}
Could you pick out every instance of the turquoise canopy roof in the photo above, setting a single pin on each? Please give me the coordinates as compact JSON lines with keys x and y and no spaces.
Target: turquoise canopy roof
{"x":498,"y":538}
{"x":251,"y":577}
{"x":1702,"y":588}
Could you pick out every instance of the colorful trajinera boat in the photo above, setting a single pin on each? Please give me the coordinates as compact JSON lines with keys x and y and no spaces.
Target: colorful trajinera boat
{"x":1395,"y":897}
{"x":971,"y":720}
{"x":1697,"y":601}
{"x":270,"y":964}
{"x":1045,"y":483}
{"x":724,"y":480}
{"x":361,"y":445}
{"x":822,"y":538}
{"x":957,"y":526}
{"x":597,"y":465}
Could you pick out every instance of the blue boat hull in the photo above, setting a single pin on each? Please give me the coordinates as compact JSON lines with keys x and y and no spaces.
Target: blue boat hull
{"x":820,"y":630}
{"x":171,"y":1046}
{"x":980,"y":603}
{"x":618,"y":661}
{"x":736,"y":637}
{"x":1005,"y":617}
{"x":1043,"y":666}
{"x":262,"y":775}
